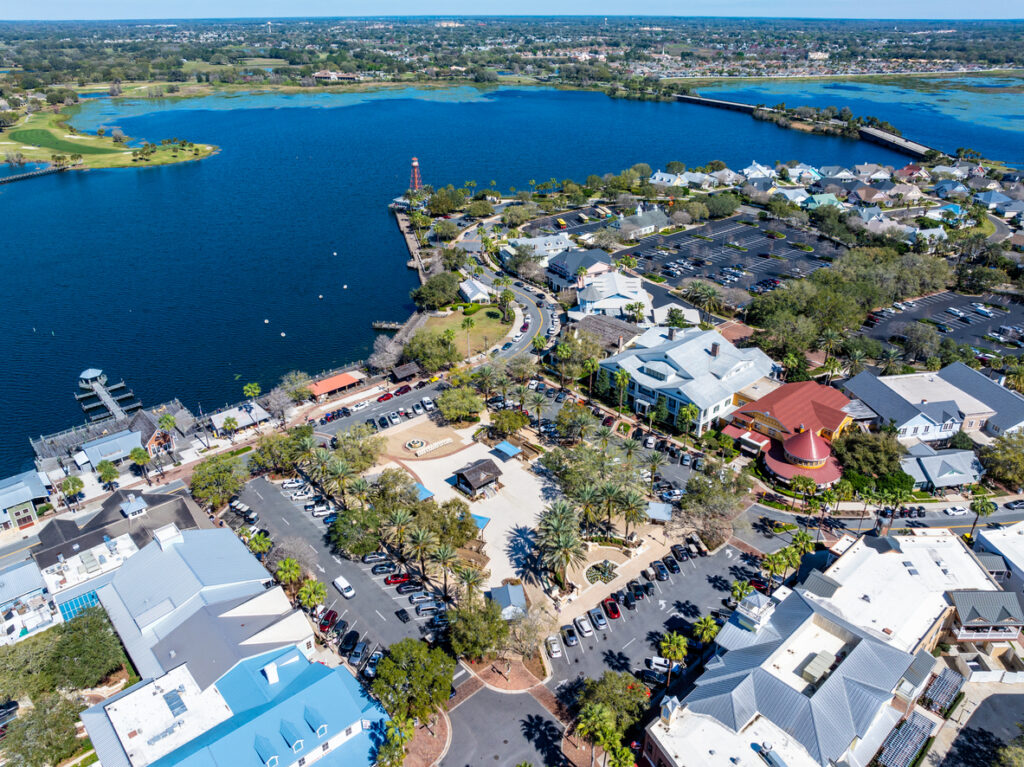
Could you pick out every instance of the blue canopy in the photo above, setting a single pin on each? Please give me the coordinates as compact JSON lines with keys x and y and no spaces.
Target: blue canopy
{"x":507,"y":449}
{"x":423,"y":493}
{"x":481,"y":522}
{"x":659,"y":512}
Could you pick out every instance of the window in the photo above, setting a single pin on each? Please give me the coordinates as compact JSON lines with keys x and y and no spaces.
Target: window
{"x":914,"y":431}
{"x":309,"y":645}
{"x":325,"y":747}
{"x":302,"y":761}
{"x":970,"y":424}
{"x":348,"y":731}
{"x":947,"y":427}
{"x":903,"y":432}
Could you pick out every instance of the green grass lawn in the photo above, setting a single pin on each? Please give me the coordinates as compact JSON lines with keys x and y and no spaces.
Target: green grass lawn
{"x":43,"y":138}
{"x":487,"y":331}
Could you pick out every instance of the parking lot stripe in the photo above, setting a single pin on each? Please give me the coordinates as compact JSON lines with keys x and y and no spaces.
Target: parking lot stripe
{"x":381,"y":616}
{"x":628,"y":643}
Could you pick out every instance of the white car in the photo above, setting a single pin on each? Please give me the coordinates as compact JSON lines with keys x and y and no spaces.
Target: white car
{"x":302,"y":495}
{"x":956,"y":511}
{"x":428,"y":404}
{"x":360,"y":405}
{"x":293,"y":484}
{"x":532,"y":384}
{"x":583,"y":624}
{"x":417,"y":408}
{"x":553,"y":646}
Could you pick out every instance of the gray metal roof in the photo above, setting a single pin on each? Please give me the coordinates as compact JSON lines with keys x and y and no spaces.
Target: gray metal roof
{"x":889,"y":405}
{"x":994,"y":563}
{"x":819,"y":583}
{"x":987,"y":608}
{"x":20,"y":488}
{"x":920,"y":669}
{"x":1008,"y":405}
{"x":18,"y":580}
{"x":943,"y":468}
{"x":735,"y":685}
{"x":113,"y":447}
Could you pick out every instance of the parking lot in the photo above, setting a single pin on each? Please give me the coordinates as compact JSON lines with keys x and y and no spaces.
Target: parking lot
{"x":971,"y":328}
{"x":744,"y":249}
{"x":701,"y":586}
{"x":296,"y":533}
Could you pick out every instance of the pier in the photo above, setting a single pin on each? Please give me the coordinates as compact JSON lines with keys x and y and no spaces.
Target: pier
{"x":386,"y":325}
{"x":874,"y":135}
{"x":31,"y":174}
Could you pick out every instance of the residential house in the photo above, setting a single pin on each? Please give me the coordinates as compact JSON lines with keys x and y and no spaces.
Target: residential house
{"x":815,"y":201}
{"x":25,"y":604}
{"x":659,"y":178}
{"x":802,"y":173}
{"x":1010,"y":209}
{"x":726,"y":177}
{"x":690,"y":315}
{"x":992,"y":199}
{"x":949,"y":188}
{"x":763,"y":184}
{"x":696,"y":180}
{"x":837,"y":172}
{"x":474,"y":291}
{"x":795,"y":195}
{"x":690,"y":366}
{"x":949,"y":172}
{"x":511,"y":599}
{"x":20,"y":496}
{"x":611,"y":333}
{"x":155,"y":441}
{"x":950,"y":213}
{"x":941,"y":469}
{"x":904,"y":193}
{"x":871,"y":172}
{"x":792,"y":428}
{"x":757,"y":170}
{"x":642,"y":223}
{"x":986,"y":616}
{"x":610,"y":294}
{"x":929,"y":236}
{"x":888,"y":227}
{"x":1007,"y":405}
{"x":1017,"y":242}
{"x":838,"y":186}
{"x":866,"y":195}
{"x":912,"y":172}
{"x":983,"y":184}
{"x":567,"y":269}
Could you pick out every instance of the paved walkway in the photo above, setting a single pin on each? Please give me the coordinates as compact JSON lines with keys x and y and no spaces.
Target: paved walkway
{"x":428,"y":746}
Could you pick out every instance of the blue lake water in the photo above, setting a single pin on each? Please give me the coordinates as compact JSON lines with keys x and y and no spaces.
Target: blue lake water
{"x":944,"y":116}
{"x":164,"y":276}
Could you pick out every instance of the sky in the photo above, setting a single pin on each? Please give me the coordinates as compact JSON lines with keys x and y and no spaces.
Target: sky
{"x":185,"y":9}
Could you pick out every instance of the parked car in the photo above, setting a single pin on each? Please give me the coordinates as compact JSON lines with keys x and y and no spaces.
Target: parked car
{"x":554,"y":648}
{"x":662,"y":665}
{"x":375,"y":556}
{"x":956,"y":511}
{"x":608,"y":421}
{"x":403,"y":615}
{"x":385,"y":397}
{"x":370,"y":669}
{"x":397,"y":578}
{"x":1013,"y":505}
{"x":637,"y":590}
{"x":650,"y":442}
{"x":331,"y":518}
{"x":583,"y":624}
{"x":410,"y":588}
{"x":758,"y":585}
{"x":327,"y":621}
{"x":384,"y":568}
{"x":383,"y":422}
{"x":428,"y":404}
{"x":419,"y":599}
{"x":660,"y":571}
{"x":293,"y":484}
{"x":358,"y":654}
{"x":597,"y":619}
{"x":404,"y":389}
{"x":394,"y":417}
{"x":348,"y":642}
{"x":679,"y":552}
{"x":611,"y":608}
{"x":427,"y":610}
{"x":569,"y":635}
{"x":651,"y":678}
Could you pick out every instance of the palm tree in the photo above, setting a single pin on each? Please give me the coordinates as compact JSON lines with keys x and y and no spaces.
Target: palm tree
{"x":141,"y":458}
{"x":485,"y":378}
{"x":855,"y":362}
{"x":107,"y":473}
{"x":740,"y":590}
{"x":537,"y":402}
{"x":803,"y":484}
{"x":705,"y":297}
{"x":470,"y":579}
{"x":231,"y":426}
{"x":982,"y":507}
{"x":630,"y":446}
{"x":338,"y":473}
{"x":772,"y":565}
{"x":831,"y":366}
{"x":421,"y":542}
{"x":71,"y":487}
{"x":312,"y":593}
{"x":445,"y":557}
{"x":829,"y":341}
{"x":400,"y":730}
{"x":589,"y":500}
{"x":603,"y":435}
{"x":561,"y":551}
{"x":610,"y":495}
{"x":260,"y":544}
{"x":319,"y":462}
{"x":594,"y":724}
{"x":634,"y":508}
{"x":802,"y":543}
{"x":892,"y":360}
{"x":590,"y":367}
{"x":706,"y":629}
{"x":468,"y":324}
{"x":360,"y":488}
{"x":307,"y":449}
{"x":654,"y":462}
{"x":673,"y":647}
{"x":688,"y":414}
{"x":396,"y":526}
{"x":288,"y":573}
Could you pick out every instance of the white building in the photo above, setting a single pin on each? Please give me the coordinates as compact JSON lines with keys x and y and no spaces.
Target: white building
{"x":757,"y":170}
{"x":610,"y":294}
{"x":474,"y":291}
{"x":688,"y":366}
{"x":544,"y":247}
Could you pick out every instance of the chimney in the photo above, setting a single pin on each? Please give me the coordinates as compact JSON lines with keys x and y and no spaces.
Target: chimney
{"x":270,"y":672}
{"x":924,"y":402}
{"x":671,"y":334}
{"x":620,"y":343}
{"x":714,"y":349}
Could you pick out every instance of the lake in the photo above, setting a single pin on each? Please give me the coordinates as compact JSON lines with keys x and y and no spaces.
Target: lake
{"x":982,"y":113}
{"x":165,"y":276}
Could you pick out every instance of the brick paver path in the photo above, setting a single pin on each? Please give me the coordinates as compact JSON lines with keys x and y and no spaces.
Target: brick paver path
{"x":426,"y":749}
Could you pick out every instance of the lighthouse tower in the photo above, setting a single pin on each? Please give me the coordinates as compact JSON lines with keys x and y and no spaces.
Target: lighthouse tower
{"x":415,"y":182}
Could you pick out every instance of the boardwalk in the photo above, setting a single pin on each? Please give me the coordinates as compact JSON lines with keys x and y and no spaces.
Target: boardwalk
{"x":30,"y":174}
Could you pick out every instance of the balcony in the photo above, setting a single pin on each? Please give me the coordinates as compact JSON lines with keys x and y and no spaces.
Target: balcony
{"x":987,"y":634}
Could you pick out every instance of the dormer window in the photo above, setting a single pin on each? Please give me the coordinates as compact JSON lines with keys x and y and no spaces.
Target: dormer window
{"x":297,"y":746}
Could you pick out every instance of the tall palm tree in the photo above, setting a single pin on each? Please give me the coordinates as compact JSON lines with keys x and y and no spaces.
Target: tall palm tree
{"x":396,"y":527}
{"x":829,"y":341}
{"x":634,"y":508}
{"x":338,"y":474}
{"x":629,"y":447}
{"x":705,"y":297}
{"x":360,"y":488}
{"x":468,"y":324}
{"x":589,"y":500}
{"x":688,"y":414}
{"x":654,"y":462}
{"x":485,"y":378}
{"x":772,"y":565}
{"x":537,"y":402}
{"x":288,"y":573}
{"x":307,"y":448}
{"x":319,"y":462}
{"x":260,"y":544}
{"x":445,"y":557}
{"x":470,"y":578}
{"x":740,"y":590}
{"x":421,"y":542}
{"x":804,"y":485}
{"x":562,"y":551}
{"x":621,"y":383}
{"x":982,"y":507}
{"x":891,"y":360}
{"x":802,"y":542}
{"x":603,"y":435}
{"x":312,"y":593}
{"x":230,"y":425}
{"x":673,"y":647}
{"x":706,"y":629}
{"x":855,"y":362}
{"x":590,"y":367}
{"x":610,"y":494}
{"x":594,"y":724}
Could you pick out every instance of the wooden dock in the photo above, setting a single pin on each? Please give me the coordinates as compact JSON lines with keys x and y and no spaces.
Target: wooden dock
{"x":31,"y":174}
{"x":387,"y":325}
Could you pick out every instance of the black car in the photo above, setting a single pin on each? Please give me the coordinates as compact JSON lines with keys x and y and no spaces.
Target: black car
{"x":625,"y":599}
{"x":410,"y":588}
{"x":346,"y":412}
{"x":348,"y":642}
{"x":384,"y":568}
{"x":403,"y":615}
{"x":671,"y":564}
{"x":637,"y":590}
{"x":660,"y":571}
{"x":371,"y":423}
{"x":662,"y":445}
{"x":651,"y":678}
{"x":561,"y":397}
{"x":649,"y":589}
{"x":679,"y":553}
{"x":383,"y":422}
{"x":339,"y":628}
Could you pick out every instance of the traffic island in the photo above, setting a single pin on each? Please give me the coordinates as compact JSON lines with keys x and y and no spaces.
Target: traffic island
{"x":428,"y":747}
{"x":503,"y":675}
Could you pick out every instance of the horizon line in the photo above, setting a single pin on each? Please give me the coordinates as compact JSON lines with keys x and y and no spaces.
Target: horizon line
{"x":455,"y":16}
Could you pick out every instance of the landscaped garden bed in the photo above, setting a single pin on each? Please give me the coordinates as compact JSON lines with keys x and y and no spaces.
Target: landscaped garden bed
{"x":602,"y":571}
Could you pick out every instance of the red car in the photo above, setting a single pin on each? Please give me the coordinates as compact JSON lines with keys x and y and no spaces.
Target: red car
{"x":385,"y":396}
{"x":327,"y":621}
{"x":524,"y":327}
{"x":608,"y":421}
{"x":611,"y":608}
{"x":759,"y":585}
{"x":396,"y":578}
{"x":403,"y":390}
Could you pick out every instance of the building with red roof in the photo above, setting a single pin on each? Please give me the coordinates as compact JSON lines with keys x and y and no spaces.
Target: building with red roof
{"x":792,"y":428}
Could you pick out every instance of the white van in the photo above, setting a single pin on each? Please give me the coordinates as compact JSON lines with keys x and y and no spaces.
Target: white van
{"x":344,"y":587}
